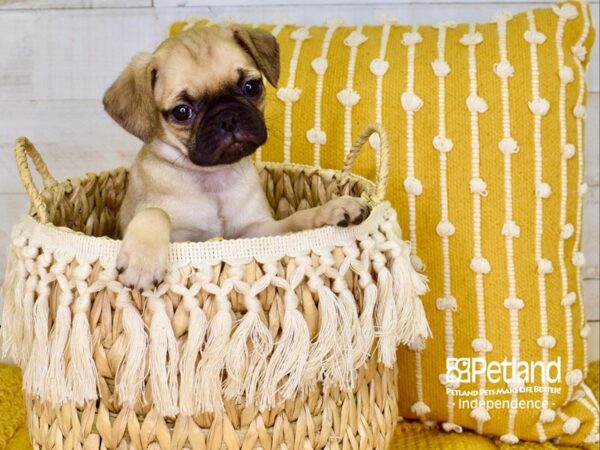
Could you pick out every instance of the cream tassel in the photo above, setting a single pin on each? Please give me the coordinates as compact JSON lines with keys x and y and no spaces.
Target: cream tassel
{"x":56,"y":389}
{"x":408,"y":286}
{"x":163,"y":355}
{"x":28,"y":302}
{"x":12,"y":314}
{"x":387,"y":313}
{"x":132,"y":368}
{"x":15,"y":270}
{"x":208,"y":384}
{"x":250,"y":346}
{"x":30,"y":253}
{"x":321,"y":351}
{"x":197,"y":326}
{"x":82,"y":377}
{"x":349,"y":347}
{"x":291,"y":352}
{"x":35,"y":372}
{"x":367,"y":323}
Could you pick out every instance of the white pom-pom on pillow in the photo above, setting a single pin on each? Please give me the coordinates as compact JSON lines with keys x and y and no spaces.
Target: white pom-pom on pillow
{"x":571,"y":425}
{"x":348,"y":97}
{"x":504,"y":69}
{"x":411,"y":38}
{"x":546,"y":341}
{"x":379,"y":66}
{"x":315,"y":136}
{"x":319,"y":65}
{"x":534,"y":37}
{"x":411,"y":102}
{"x":471,"y":38}
{"x":476,"y":104}
{"x":288,"y":94}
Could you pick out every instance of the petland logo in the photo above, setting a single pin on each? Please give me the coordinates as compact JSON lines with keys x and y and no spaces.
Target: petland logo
{"x":470,"y":370}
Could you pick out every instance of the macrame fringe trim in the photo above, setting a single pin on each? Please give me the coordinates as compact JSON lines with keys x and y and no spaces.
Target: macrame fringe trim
{"x":262,"y":370}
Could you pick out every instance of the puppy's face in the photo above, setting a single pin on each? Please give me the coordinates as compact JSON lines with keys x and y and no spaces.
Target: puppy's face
{"x":201,"y":92}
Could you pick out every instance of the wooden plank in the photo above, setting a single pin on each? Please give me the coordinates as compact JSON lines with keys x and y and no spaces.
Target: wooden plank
{"x":591,"y":237}
{"x":66,"y":4}
{"x":16,"y":55}
{"x":594,"y":68}
{"x":80,"y":53}
{"x":76,"y":54}
{"x":592,"y":141}
{"x":591,"y":299}
{"x":74,"y":137}
{"x":593,"y":339}
{"x":454,"y":3}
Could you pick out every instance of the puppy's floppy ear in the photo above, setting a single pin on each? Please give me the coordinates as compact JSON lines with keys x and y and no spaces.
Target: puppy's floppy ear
{"x":262,"y":47}
{"x":130,"y":101}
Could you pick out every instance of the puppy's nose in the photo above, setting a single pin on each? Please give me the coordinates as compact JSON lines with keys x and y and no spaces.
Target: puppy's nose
{"x":228,"y":121}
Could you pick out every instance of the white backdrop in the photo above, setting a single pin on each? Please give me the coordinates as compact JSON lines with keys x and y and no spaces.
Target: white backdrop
{"x":58,"y":56}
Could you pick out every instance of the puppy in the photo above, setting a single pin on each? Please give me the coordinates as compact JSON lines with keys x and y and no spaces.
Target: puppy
{"x":197,"y":102}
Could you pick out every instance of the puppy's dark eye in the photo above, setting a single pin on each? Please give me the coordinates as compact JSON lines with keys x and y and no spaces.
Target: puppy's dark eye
{"x":252,"y":88}
{"x":182,"y":113}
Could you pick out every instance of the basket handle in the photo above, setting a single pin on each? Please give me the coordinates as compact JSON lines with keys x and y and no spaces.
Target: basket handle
{"x":384,"y":163}
{"x":24,"y":149}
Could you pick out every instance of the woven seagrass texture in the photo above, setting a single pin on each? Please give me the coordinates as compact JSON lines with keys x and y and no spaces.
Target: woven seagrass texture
{"x":365,"y":419}
{"x":284,"y":341}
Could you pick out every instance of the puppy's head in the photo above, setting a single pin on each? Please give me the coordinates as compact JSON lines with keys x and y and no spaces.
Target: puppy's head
{"x":201,"y":92}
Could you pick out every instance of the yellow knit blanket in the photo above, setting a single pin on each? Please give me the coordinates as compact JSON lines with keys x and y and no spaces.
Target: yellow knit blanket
{"x":409,"y":435}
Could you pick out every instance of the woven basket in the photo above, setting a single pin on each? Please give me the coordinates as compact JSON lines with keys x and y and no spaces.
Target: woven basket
{"x":269,"y":342}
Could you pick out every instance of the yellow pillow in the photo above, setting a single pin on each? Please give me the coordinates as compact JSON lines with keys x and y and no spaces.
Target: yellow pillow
{"x":486,"y":125}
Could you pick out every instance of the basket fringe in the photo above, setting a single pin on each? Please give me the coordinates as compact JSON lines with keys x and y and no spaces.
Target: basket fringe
{"x":350,"y":304}
{"x":291,"y":352}
{"x":367,"y":323}
{"x":196,"y":332}
{"x":409,"y":285}
{"x":132,"y":368}
{"x":208,"y":381}
{"x":82,"y":377}
{"x":259,"y":372}
{"x":28,"y":300}
{"x":354,"y":327}
{"x":322,"y":350}
{"x":163,"y":355}
{"x":250,"y":346}
{"x":56,"y":389}
{"x":246,"y":359}
{"x":11,"y":275}
{"x":387,"y":313}
{"x":35,"y":372}
{"x":340,"y":370}
{"x":12,"y":314}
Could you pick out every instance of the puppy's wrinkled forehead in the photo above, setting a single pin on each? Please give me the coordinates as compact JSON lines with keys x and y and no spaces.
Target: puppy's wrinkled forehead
{"x":198,"y":63}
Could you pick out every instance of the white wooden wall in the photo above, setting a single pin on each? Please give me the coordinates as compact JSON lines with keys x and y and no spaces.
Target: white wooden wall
{"x":58,"y":56}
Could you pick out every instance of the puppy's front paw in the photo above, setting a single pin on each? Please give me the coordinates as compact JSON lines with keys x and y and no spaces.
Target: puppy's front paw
{"x":342,"y":211}
{"x":142,"y":263}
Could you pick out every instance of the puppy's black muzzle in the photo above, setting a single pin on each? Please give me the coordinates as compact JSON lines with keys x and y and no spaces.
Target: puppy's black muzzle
{"x":228,"y":132}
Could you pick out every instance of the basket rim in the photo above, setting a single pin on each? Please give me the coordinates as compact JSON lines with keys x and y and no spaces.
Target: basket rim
{"x":239,"y":251}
